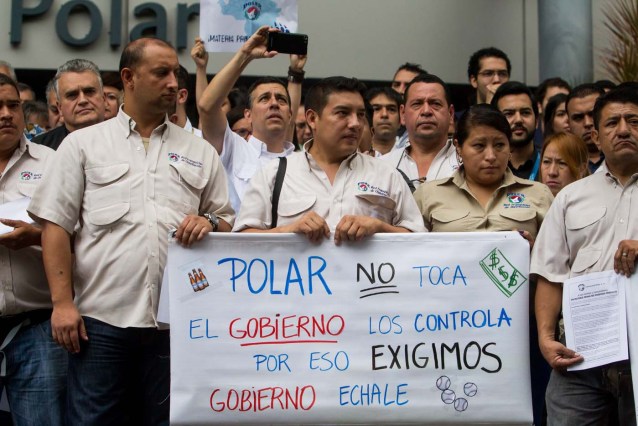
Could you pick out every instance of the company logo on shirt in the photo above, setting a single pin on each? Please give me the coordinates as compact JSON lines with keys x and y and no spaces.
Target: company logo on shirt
{"x":174,"y":158}
{"x":516,"y":200}
{"x":26,"y":175}
{"x":366,"y":187}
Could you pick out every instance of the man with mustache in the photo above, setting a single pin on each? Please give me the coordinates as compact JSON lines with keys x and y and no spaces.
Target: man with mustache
{"x":330,"y":186}
{"x":122,"y":186}
{"x":591,"y":227}
{"x":80,"y":100}
{"x":269,"y":111}
{"x":35,"y":367}
{"x":517,"y":104}
{"x":426,"y":114}
{"x":580,"y":112}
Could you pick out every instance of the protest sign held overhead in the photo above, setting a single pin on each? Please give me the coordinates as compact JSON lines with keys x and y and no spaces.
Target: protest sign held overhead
{"x":225,"y":25}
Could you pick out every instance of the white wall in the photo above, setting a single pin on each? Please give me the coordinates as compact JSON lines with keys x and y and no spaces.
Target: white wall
{"x":363,"y":38}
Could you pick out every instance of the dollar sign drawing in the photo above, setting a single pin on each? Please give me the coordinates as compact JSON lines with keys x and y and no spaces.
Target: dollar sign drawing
{"x":494,"y":260}
{"x":513,"y":281}
{"x":504,"y":274}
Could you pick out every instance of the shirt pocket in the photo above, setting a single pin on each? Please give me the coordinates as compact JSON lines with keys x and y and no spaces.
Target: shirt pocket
{"x":187,"y":185}
{"x":27,"y":189}
{"x":449,"y":220}
{"x":576,"y":220}
{"x":182,"y":196}
{"x":578,"y":224}
{"x":585,"y":259}
{"x":245,"y":171}
{"x":108,"y":194}
{"x":295,"y":207}
{"x":378,"y":206}
{"x":520,"y":219}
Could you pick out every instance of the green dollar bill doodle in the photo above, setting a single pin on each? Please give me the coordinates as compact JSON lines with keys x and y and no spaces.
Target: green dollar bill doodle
{"x":507,"y":278}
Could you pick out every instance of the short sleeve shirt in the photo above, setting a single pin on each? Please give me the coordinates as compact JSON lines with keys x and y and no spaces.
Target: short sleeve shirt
{"x":584,"y":226}
{"x":363,"y":186}
{"x":242,"y":159}
{"x":443,"y":165}
{"x":23,"y":283}
{"x":448,"y":205}
{"x":126,"y":200}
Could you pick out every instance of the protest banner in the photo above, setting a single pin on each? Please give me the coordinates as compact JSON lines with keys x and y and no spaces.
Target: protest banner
{"x":398,"y":328}
{"x":224,"y":25}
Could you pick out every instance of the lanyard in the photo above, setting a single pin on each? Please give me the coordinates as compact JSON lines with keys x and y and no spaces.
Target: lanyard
{"x":537,"y":165}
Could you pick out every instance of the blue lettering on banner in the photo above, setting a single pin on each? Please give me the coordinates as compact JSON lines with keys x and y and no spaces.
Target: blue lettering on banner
{"x":373,"y":394}
{"x":324,"y":361}
{"x":441,"y":275}
{"x":258,"y":276}
{"x":272,"y":362}
{"x":194,"y":324}
{"x":385,"y":325}
{"x":461,"y":319}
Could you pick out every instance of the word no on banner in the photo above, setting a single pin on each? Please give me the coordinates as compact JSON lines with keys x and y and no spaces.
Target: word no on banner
{"x":411,"y":328}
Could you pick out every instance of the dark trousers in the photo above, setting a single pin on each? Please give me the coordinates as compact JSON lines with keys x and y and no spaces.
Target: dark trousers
{"x":120,"y":377}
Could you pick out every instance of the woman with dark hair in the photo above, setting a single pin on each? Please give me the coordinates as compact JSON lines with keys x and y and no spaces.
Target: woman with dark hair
{"x":483,"y":195}
{"x":555,"y":117}
{"x":564,"y":160}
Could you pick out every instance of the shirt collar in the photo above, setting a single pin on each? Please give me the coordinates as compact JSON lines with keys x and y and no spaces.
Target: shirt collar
{"x":262,"y":148}
{"x":188,"y":126}
{"x":509,"y":179}
{"x":311,"y":161}
{"x":129,"y":123}
{"x":604,"y":169}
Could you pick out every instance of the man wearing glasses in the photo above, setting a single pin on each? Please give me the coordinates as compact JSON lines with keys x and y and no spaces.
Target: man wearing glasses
{"x":487,"y":70}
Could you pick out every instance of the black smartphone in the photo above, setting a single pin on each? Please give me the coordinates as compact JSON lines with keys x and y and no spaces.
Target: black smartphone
{"x":291,"y":43}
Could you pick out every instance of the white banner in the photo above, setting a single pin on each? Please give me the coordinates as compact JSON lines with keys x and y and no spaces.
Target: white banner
{"x":225,"y":25}
{"x":401,"y":328}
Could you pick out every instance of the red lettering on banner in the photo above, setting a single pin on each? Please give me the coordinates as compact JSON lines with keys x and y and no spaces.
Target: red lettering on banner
{"x":270,"y":398}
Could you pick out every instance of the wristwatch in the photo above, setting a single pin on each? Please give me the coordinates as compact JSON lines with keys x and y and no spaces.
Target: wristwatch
{"x":213,"y":219}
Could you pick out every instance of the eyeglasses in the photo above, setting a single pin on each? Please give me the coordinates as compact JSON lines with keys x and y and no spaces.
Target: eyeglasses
{"x":491,"y":73}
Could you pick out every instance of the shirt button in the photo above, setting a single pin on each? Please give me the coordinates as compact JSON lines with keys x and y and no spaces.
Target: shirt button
{"x":622,"y":221}
{"x":152,"y":254}
{"x":139,"y":148}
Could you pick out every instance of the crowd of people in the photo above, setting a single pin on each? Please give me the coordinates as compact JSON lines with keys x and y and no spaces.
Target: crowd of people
{"x":112,"y":163}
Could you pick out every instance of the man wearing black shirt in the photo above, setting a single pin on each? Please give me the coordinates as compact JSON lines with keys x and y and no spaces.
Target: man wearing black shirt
{"x":517,"y":104}
{"x":81,"y":101}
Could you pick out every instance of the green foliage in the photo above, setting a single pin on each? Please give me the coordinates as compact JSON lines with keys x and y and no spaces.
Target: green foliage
{"x":621,"y":59}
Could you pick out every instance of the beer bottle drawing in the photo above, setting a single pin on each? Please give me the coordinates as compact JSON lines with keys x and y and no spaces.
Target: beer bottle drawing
{"x":203,"y":277}
{"x":193,"y":282}
{"x":198,"y":281}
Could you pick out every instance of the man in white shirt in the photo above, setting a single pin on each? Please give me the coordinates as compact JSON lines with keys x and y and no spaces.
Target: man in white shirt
{"x":270,"y":111}
{"x":426,"y":114}
{"x":330,"y":186}
{"x":122,"y":186}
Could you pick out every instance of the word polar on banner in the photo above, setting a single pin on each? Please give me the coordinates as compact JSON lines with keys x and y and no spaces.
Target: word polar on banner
{"x":394,"y":334}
